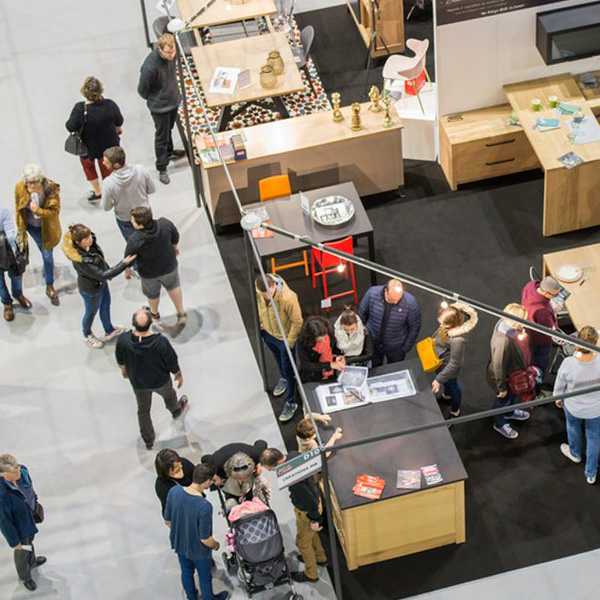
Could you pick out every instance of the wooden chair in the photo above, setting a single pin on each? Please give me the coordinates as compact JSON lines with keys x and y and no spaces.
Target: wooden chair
{"x":272,"y":188}
{"x":331,"y":263}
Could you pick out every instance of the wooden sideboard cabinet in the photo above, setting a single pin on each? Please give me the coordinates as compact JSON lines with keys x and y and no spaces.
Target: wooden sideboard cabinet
{"x":479,"y":144}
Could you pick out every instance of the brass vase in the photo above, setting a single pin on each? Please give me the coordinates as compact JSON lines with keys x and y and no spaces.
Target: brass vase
{"x":276,"y":62}
{"x":268,"y":79}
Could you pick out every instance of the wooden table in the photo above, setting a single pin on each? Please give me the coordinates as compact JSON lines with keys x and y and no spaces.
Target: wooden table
{"x":247,"y":53}
{"x":592,"y":95}
{"x":222,"y":11}
{"x":287,"y":213}
{"x":570,"y":195}
{"x":402,"y":521}
{"x":315,"y":152}
{"x":582,"y":304}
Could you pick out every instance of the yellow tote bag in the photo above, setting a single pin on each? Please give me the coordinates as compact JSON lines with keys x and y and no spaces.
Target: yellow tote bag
{"x":426,"y":351}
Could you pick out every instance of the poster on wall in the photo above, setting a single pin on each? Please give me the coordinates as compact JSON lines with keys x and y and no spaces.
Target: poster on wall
{"x":454,"y":11}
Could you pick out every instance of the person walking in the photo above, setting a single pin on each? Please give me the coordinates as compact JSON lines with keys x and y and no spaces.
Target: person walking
{"x":393,"y":318}
{"x":171,"y":470}
{"x":100,"y":122}
{"x":19,"y":513}
{"x":37,"y":204}
{"x":456,"y":321}
{"x":536,"y":298}
{"x":510,"y":356}
{"x":309,"y":520}
{"x":156,"y":244}
{"x":353,"y":339}
{"x":189,"y":517}
{"x":93,"y":272}
{"x":8,"y":249}
{"x":148,"y":360}
{"x":290,"y":313}
{"x":126,"y":188}
{"x":577,"y":372}
{"x":158,"y":86}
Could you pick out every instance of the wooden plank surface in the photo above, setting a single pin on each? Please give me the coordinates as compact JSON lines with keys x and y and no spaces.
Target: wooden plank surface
{"x":223,"y":11}
{"x":582,"y":304}
{"x":247,"y":53}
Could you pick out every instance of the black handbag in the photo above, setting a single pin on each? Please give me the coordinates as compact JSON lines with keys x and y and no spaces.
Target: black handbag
{"x":74,"y":144}
{"x":38,"y":513}
{"x":20,"y":258}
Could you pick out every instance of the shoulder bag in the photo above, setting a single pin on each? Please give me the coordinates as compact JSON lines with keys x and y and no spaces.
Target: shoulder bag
{"x":20,"y":258}
{"x":426,"y":351}
{"x":74,"y":143}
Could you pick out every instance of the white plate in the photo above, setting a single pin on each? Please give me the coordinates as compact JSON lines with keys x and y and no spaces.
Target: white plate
{"x":569,"y":273}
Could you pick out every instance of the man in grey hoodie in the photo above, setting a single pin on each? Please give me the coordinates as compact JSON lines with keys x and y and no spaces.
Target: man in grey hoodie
{"x":126,"y":188}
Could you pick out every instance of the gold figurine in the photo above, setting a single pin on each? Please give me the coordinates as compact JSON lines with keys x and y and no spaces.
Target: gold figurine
{"x":356,"y":122}
{"x":387,"y":121}
{"x":337,"y":113}
{"x":374,"y":96}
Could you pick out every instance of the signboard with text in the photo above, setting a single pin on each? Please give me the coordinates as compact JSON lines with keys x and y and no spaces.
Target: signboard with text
{"x":299,"y":468}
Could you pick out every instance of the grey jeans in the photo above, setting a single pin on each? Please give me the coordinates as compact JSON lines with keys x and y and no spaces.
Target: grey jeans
{"x":25,"y":560}
{"x":144,"y":403}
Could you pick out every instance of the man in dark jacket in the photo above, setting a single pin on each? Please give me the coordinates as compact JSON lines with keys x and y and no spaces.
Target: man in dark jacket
{"x":18,"y":505}
{"x":393,"y":319}
{"x":158,"y":87}
{"x":147,"y":359}
{"x":156,"y":244}
{"x":536,"y":297}
{"x":309,"y":520}
{"x":222,"y":455}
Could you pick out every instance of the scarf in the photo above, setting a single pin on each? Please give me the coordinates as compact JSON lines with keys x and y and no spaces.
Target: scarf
{"x":323,"y":349}
{"x":350,"y":345}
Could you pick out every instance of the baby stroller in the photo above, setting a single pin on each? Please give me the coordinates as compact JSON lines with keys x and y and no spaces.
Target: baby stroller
{"x":259,"y":556}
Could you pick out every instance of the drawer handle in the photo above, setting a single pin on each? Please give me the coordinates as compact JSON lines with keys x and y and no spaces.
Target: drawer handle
{"x":499,"y":162}
{"x":501,"y":143}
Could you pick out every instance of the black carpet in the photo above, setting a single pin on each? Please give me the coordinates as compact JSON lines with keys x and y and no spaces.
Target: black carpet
{"x":525,"y":502}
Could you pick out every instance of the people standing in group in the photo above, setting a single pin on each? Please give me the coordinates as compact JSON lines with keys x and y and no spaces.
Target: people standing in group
{"x":318,"y":355}
{"x":353,"y":339}
{"x":127,"y":187}
{"x":148,"y":360}
{"x":393,"y":318}
{"x":171,"y":470}
{"x":93,"y":272}
{"x":158,"y":86}
{"x":309,"y":519}
{"x":285,"y":301}
{"x":456,"y":321}
{"x":578,"y":372}
{"x":510,"y":357}
{"x":8,"y":250}
{"x":20,"y":512}
{"x":189,"y":516}
{"x":101,"y":123}
{"x":536,"y":297}
{"x":37,"y":205}
{"x":156,"y":244}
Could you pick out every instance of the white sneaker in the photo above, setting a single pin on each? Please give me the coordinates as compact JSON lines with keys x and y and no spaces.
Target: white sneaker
{"x":564,"y":448}
{"x":507,"y":431}
{"x":114,"y":334}
{"x":591,"y":480}
{"x":93,"y":342}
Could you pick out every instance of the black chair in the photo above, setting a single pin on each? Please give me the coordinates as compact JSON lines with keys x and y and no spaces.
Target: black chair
{"x":307,"y":36}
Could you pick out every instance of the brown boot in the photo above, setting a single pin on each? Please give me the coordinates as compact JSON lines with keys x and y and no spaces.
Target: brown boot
{"x":51,"y":293}
{"x":9,"y":313}
{"x":24,"y":302}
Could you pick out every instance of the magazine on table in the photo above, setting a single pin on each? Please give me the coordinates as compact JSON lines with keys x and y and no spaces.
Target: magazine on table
{"x":408,"y":479}
{"x":224,"y":80}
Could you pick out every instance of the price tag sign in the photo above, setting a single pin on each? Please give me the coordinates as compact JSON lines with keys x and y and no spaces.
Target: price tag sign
{"x":298,"y":468}
{"x":164,"y":6}
{"x":305,"y":204}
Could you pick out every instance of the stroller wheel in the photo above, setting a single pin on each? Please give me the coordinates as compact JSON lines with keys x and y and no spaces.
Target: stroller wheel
{"x":229,"y":563}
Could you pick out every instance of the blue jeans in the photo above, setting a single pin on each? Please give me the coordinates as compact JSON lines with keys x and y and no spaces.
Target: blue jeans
{"x":99,"y":301}
{"x":126,"y":229}
{"x":277,"y":347}
{"x":47,"y":257}
{"x":508,"y":400}
{"x":16,"y":285}
{"x":592,"y":440}
{"x":452,"y":388}
{"x":203,"y":566}
{"x":541,"y":357}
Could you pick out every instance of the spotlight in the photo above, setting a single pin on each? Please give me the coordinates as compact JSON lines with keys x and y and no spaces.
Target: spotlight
{"x":522,"y":336}
{"x":341,"y":268}
{"x":175,"y":25}
{"x":398,"y":289}
{"x":444,"y":304}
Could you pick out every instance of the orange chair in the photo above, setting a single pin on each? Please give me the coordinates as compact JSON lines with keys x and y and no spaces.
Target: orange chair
{"x":272,"y":188}
{"x":331,"y":263}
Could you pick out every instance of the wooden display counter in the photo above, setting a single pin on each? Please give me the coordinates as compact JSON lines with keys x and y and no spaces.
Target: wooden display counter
{"x":402,"y":521}
{"x":315,"y":152}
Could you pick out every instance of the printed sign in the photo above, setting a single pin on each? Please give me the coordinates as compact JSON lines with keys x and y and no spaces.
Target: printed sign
{"x":454,"y":11}
{"x":299,"y":468}
{"x":164,"y":6}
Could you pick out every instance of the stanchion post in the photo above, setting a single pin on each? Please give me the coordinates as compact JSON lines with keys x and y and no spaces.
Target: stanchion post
{"x":145,"y":20}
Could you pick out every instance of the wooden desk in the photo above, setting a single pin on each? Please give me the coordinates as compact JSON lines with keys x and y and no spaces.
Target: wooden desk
{"x":315,"y":152}
{"x":223,"y":11}
{"x":402,"y":521}
{"x":582,"y":304}
{"x":570,"y":195}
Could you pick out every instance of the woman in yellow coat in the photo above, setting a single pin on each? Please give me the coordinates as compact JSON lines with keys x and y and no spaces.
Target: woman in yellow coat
{"x":37,"y":204}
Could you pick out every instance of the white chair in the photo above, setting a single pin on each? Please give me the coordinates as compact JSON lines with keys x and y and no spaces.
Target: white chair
{"x":408,"y":68}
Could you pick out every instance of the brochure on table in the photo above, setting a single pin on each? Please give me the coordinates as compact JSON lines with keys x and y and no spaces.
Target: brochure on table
{"x":224,"y":80}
